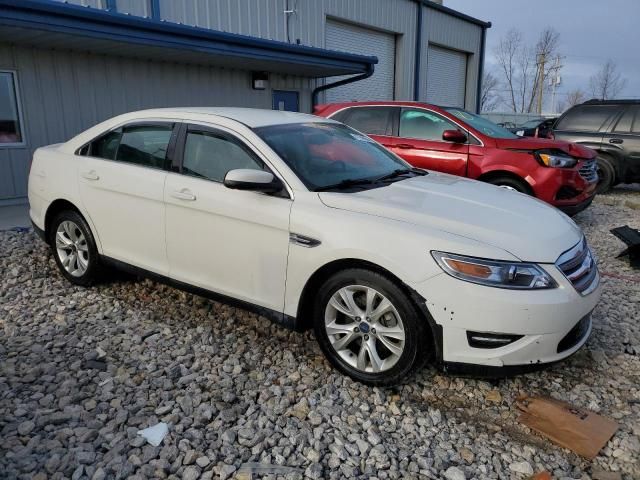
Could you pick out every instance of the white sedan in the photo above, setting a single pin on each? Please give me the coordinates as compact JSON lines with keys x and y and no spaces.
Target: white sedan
{"x":314,"y":225}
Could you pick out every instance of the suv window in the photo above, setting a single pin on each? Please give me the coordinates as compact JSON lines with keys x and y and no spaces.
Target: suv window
{"x":586,"y":118}
{"x":626,"y":124}
{"x":211,"y":155}
{"x":424,"y":125}
{"x":371,"y":120}
{"x":144,"y":145}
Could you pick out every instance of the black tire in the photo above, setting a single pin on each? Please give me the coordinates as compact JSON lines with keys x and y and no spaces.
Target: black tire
{"x":606,"y":173}
{"x":418,"y":344}
{"x":511,"y":182}
{"x":93,"y":268}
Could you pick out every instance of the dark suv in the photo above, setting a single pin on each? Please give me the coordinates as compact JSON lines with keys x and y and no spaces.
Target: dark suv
{"x":612,"y":128}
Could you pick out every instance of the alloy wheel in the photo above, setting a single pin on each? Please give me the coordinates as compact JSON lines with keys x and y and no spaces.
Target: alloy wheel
{"x":72,"y":248}
{"x":364,"y":328}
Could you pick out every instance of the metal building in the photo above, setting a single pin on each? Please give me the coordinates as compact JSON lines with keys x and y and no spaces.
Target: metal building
{"x":65,"y":66}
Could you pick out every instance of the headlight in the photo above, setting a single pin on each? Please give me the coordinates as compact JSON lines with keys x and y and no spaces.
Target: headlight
{"x":555,"y":160}
{"x":494,"y":273}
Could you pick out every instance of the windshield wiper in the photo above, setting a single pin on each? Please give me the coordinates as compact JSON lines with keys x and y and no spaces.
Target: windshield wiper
{"x":399,"y":172}
{"x":348,"y":183}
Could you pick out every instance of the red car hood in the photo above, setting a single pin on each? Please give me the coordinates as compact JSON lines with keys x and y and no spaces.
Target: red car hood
{"x":526,"y":143}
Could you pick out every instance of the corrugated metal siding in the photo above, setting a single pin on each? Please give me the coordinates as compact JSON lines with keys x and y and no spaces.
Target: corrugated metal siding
{"x":140,"y":8}
{"x":446,"y":76}
{"x":64,"y":93}
{"x":451,"y":32}
{"x":87,"y":3}
{"x":350,"y":38}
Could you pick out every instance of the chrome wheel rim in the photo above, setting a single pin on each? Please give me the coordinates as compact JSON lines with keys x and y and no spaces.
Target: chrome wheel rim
{"x":72,"y":248}
{"x":364,"y":328}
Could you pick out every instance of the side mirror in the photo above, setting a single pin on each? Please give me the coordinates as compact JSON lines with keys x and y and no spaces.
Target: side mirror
{"x":455,"y":136}
{"x":252,"y":180}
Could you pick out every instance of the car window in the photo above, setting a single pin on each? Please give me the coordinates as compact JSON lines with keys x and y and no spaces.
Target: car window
{"x":105,"y":146}
{"x":423,"y":125}
{"x":626,"y":123}
{"x":211,"y":155}
{"x":586,"y":118}
{"x":371,"y":120}
{"x":323,"y":154}
{"x":145,"y":145}
{"x":481,"y":124}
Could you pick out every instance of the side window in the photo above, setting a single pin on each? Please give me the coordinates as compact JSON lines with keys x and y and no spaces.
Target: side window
{"x":586,"y":118}
{"x":371,"y":120}
{"x":145,"y":145}
{"x":105,"y":146}
{"x":211,"y":155}
{"x":627,"y":124}
{"x":10,"y":125}
{"x":424,"y":125}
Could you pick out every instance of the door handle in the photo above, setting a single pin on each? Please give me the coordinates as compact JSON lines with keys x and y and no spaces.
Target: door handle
{"x":616,"y":140}
{"x":91,"y":175}
{"x":404,"y":146}
{"x":183,"y":194}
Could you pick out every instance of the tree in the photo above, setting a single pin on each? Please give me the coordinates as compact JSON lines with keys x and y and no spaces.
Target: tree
{"x":574,"y":97}
{"x":608,"y":82}
{"x":525,"y":70}
{"x":489,"y":98}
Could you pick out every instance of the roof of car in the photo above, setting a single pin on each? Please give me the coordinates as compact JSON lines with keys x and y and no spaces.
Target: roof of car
{"x":252,"y":117}
{"x":622,"y":101}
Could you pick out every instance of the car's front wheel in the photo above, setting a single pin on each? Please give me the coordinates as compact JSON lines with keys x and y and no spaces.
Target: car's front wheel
{"x":369,"y":329}
{"x":74,"y":248}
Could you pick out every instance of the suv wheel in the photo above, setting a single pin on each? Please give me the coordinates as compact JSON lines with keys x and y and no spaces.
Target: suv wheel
{"x":511,"y":183}
{"x":369,"y":329}
{"x":74,"y":248}
{"x":606,"y":174}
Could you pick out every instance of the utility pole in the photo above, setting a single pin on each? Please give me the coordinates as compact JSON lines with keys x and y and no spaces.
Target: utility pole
{"x":541,"y":60}
{"x":554,"y":81}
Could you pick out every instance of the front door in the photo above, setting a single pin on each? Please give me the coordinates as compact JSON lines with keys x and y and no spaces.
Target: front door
{"x":285,"y":100}
{"x":121,"y":182}
{"x":420,"y":142}
{"x":624,"y":138}
{"x":231,"y":242}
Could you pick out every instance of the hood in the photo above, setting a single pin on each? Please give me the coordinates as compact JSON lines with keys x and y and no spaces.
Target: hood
{"x":532,"y":143}
{"x":516,"y":223}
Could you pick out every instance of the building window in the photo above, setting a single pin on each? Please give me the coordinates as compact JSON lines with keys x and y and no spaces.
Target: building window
{"x":11,"y":132}
{"x":139,"y":8}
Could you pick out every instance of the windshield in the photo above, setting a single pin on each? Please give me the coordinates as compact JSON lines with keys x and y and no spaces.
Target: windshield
{"x":325,"y":154}
{"x":532,"y":123}
{"x":481,"y":124}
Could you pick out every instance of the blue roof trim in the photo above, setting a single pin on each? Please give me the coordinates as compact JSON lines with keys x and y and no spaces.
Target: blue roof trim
{"x":72,"y":19}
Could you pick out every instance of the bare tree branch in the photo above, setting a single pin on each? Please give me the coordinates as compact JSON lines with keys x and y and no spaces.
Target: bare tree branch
{"x":608,"y":82}
{"x":574,"y":97}
{"x":489,"y":98}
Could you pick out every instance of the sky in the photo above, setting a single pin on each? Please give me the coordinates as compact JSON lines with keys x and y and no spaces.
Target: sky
{"x":591,"y":32}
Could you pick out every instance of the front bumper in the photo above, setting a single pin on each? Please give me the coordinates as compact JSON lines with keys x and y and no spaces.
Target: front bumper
{"x":544,"y":319}
{"x":565,"y":189}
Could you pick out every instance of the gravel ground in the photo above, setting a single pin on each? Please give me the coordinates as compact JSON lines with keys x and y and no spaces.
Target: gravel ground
{"x":81,"y":371}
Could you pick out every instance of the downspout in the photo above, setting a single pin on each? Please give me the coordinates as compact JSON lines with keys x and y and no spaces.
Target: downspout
{"x":346,"y":81}
{"x":416,"y":73}
{"x":483,"y":42}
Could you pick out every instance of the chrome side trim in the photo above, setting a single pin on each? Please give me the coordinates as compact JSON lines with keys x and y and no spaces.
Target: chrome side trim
{"x":303,"y":241}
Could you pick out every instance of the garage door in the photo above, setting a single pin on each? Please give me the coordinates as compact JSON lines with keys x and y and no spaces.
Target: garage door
{"x":363,"y":41}
{"x":446,"y":76}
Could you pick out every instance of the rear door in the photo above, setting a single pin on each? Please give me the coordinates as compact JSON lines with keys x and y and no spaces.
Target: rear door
{"x":420,"y":142}
{"x":121,"y":183}
{"x":624,"y":136}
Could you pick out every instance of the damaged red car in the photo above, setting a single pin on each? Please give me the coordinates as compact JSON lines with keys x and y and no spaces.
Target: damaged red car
{"x":453,"y":140}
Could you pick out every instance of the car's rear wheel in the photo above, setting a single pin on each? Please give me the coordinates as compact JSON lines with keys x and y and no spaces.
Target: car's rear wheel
{"x":369,"y":329}
{"x":74,"y":248}
{"x":606,"y":173}
{"x":511,"y":183}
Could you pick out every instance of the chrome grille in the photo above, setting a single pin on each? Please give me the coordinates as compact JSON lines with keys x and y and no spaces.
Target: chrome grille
{"x":579,"y":266}
{"x":589,"y":171}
